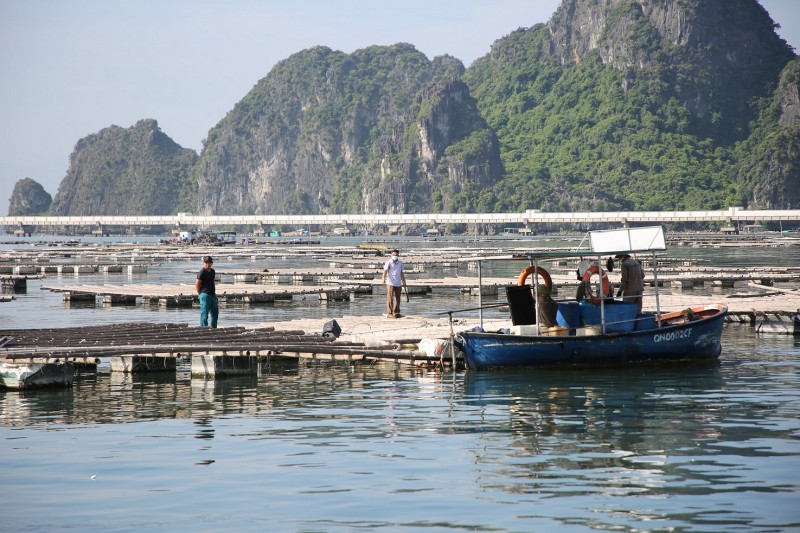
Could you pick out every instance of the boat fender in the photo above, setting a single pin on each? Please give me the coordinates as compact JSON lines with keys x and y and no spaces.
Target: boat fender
{"x":523,"y":276}
{"x":587,"y":276}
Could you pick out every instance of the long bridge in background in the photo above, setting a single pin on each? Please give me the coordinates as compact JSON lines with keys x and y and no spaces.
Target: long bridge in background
{"x":729,"y":219}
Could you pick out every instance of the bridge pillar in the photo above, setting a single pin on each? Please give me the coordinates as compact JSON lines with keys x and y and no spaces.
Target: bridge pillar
{"x":729,"y":227}
{"x":22,"y":231}
{"x":98,"y":230}
{"x":624,"y":222}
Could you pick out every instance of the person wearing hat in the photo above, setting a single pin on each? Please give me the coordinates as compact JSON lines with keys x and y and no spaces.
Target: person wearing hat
{"x":631,"y":286}
{"x":207,"y":293}
{"x":546,"y":307}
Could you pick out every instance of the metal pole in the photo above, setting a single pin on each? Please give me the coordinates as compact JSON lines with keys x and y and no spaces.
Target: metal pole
{"x":452,"y":342}
{"x":480,"y":292}
{"x":654,"y":264}
{"x":536,"y":295}
{"x":602,"y":296}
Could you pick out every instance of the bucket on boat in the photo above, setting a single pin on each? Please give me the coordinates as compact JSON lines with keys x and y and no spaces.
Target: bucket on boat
{"x":555,"y":331}
{"x":569,"y":316}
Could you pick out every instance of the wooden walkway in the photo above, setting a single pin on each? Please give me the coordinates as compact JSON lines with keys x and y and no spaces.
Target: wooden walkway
{"x":73,"y":268}
{"x":179,"y":295}
{"x":87,"y":345}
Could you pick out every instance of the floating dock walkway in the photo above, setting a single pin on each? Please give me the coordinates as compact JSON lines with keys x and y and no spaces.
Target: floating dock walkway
{"x":48,"y":357}
{"x":184,"y":295}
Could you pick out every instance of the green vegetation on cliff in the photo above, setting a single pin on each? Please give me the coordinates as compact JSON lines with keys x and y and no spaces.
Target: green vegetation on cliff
{"x":331,"y":132}
{"x":29,"y":199}
{"x":613,"y":105}
{"x":127,"y":171}
{"x":599,"y":133}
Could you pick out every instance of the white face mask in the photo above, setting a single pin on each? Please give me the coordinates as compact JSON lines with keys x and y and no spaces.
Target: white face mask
{"x":395,"y":258}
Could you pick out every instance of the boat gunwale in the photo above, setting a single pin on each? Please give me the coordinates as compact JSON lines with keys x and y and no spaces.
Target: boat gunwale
{"x":721,"y":311}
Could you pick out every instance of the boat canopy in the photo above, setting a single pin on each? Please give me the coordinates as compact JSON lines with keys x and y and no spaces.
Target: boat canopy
{"x":627,"y":240}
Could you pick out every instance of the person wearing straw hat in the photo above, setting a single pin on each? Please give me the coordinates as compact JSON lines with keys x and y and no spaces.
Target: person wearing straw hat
{"x":206,"y":292}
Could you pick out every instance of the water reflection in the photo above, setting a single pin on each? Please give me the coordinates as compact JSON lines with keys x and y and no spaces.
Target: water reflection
{"x":612,"y":415}
{"x":705,"y":449}
{"x":709,"y":433}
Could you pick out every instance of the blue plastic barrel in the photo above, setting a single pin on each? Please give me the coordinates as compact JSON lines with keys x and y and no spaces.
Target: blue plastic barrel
{"x":619,"y":316}
{"x":645,"y":321}
{"x":569,"y":316}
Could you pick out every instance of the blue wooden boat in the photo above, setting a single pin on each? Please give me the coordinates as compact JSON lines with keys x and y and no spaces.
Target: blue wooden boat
{"x":692,"y":335}
{"x":606,"y":331}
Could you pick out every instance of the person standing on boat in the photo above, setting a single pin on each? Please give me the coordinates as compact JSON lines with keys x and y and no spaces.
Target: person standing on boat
{"x":584,"y":289}
{"x":395,"y":279}
{"x":631,"y":287}
{"x":207,"y":293}
{"x":546,"y":307}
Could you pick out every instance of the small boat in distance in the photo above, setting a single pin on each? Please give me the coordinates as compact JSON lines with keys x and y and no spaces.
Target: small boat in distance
{"x":598,"y":332}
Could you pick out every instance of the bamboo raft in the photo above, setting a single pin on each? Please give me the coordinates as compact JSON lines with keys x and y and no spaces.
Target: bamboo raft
{"x":215,"y":352}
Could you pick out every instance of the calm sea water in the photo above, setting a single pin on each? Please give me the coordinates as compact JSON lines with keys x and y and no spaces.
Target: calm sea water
{"x":331,"y":447}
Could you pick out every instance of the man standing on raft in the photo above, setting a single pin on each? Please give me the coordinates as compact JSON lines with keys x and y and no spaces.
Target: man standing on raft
{"x":395,"y":280}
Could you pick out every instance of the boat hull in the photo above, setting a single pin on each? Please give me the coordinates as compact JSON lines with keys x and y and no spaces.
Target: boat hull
{"x":697,"y":340}
{"x":29,"y":375}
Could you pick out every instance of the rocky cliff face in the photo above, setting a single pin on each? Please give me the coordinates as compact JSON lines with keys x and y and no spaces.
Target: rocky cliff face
{"x":614,"y":104}
{"x":29,"y":199}
{"x":331,"y":132}
{"x":445,"y":150}
{"x":716,"y":56}
{"x":788,"y":95}
{"x":774,"y":171}
{"x":126,"y":171}
{"x":771,"y":163}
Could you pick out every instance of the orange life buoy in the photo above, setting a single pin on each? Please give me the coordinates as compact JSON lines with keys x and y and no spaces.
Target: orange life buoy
{"x":540,"y":271}
{"x":587,"y":276}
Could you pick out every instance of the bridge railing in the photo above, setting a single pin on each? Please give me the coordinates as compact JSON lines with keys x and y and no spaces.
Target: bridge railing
{"x":732,"y":214}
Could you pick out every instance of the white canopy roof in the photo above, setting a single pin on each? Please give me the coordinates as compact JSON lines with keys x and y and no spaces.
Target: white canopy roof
{"x":627,"y":240}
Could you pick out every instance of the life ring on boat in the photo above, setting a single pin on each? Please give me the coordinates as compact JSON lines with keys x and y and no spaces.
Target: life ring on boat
{"x":587,"y":276}
{"x":523,"y":276}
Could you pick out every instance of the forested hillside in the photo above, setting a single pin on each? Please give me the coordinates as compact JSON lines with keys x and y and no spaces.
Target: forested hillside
{"x":611,"y":105}
{"x":127,"y":171}
{"x":382,"y":130}
{"x":631,"y":105}
{"x":29,"y":198}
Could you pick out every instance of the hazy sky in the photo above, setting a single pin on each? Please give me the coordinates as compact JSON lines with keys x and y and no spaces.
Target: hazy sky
{"x":73,"y":67}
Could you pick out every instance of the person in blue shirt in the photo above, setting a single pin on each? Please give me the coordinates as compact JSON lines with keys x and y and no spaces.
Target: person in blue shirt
{"x":395,"y":280}
{"x":207,"y":293}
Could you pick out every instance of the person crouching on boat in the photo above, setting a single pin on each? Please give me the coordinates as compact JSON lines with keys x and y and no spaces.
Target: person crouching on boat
{"x":585,"y":290}
{"x":631,"y":286}
{"x":546,"y":307}
{"x":395,"y":279}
